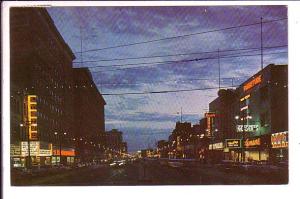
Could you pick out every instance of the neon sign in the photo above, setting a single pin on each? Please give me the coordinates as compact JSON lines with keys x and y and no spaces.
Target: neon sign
{"x":233,"y":143}
{"x":252,"y":142}
{"x":279,"y":140}
{"x":247,"y":128}
{"x":209,"y":117}
{"x":32,"y":116}
{"x":252,"y":83}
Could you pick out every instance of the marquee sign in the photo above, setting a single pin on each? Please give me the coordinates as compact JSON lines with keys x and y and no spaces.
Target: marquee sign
{"x":247,"y":128}
{"x":279,"y":140}
{"x":36,"y":149}
{"x":233,"y":143}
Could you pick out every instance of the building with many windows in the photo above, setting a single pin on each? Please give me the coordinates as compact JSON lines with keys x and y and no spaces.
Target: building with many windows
{"x":41,"y":65}
{"x":89,"y":125}
{"x":251,"y":122}
{"x":114,"y":144}
{"x":56,"y":111}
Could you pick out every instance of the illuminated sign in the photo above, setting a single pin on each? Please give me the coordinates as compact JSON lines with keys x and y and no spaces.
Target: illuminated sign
{"x":252,"y":142}
{"x":209,"y":118}
{"x":252,"y":83}
{"x":218,"y":145}
{"x":247,"y":128}
{"x":279,"y":140}
{"x":64,"y":152}
{"x":32,"y":116}
{"x":244,"y":98}
{"x":244,"y":108}
{"x":15,"y":150}
{"x":233,"y":143}
{"x":210,"y":115}
{"x":34,"y":148}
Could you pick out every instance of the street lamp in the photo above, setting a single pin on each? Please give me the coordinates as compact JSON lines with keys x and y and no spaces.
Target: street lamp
{"x":55,"y":133}
{"x":27,"y":124}
{"x":242,"y":140}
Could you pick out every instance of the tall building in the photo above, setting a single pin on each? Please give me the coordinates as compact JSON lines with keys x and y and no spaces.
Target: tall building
{"x":251,"y":122}
{"x":179,"y":140}
{"x":41,"y":88}
{"x":222,"y":126}
{"x":56,"y":110}
{"x":89,"y":125}
{"x":163,"y":148}
{"x":115,"y":144}
{"x":263,"y":114}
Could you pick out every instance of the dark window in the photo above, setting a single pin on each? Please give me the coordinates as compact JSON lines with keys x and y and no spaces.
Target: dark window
{"x":264,"y":93}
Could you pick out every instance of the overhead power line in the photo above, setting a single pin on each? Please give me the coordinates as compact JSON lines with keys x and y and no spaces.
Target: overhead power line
{"x":176,"y":80}
{"x":178,"y":61}
{"x":180,"y":36}
{"x":167,"y":91}
{"x":180,"y":54}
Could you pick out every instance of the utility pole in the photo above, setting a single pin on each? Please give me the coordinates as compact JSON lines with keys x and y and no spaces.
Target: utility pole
{"x":81,"y":60}
{"x":261,"y":43}
{"x":181,"y":115}
{"x":219,"y":68}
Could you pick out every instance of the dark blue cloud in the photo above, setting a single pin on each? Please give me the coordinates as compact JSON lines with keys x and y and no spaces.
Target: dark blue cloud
{"x":147,"y":118}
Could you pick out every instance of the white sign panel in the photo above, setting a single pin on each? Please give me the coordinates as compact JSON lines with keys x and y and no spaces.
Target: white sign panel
{"x":34,"y":148}
{"x":248,"y":128}
{"x":218,"y":145}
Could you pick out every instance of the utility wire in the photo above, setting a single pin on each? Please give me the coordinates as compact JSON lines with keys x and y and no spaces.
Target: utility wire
{"x":180,"y":36}
{"x":178,"y":61}
{"x":180,"y":54}
{"x":167,"y":91}
{"x":176,"y":80}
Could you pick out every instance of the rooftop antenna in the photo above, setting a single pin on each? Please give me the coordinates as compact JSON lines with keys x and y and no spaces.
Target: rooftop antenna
{"x":261,"y":43}
{"x":219,"y":68}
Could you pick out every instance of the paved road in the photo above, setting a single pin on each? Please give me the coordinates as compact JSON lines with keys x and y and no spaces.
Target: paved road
{"x":143,"y":173}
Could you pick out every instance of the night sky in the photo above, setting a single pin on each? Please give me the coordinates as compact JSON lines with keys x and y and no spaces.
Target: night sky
{"x":145,"y":119}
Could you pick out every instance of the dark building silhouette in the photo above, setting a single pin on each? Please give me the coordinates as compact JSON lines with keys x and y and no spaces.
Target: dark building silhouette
{"x":41,"y":65}
{"x":89,"y":116}
{"x":115,"y":144}
{"x":55,"y":107}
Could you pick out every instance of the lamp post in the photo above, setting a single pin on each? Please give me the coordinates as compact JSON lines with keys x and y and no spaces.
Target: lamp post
{"x":242,"y":139}
{"x":55,"y":133}
{"x":27,"y":124}
{"x":60,"y":147}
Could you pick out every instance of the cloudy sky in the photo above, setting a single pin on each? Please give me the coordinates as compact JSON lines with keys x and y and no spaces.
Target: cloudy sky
{"x":180,"y":63}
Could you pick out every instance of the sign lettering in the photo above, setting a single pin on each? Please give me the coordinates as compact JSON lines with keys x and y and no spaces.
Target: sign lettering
{"x":233,"y":143}
{"x":247,"y":128}
{"x":279,"y":140}
{"x":252,"y":142}
{"x":252,"y":83}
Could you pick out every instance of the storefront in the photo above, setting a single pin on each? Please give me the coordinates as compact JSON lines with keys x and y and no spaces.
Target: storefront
{"x":279,"y":150}
{"x":257,"y":148}
{"x":63,"y":155}
{"x":216,"y":151}
{"x":232,"y":150}
{"x":40,"y":154}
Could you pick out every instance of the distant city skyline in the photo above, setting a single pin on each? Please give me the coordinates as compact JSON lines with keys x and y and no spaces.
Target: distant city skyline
{"x":146,"y":118}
